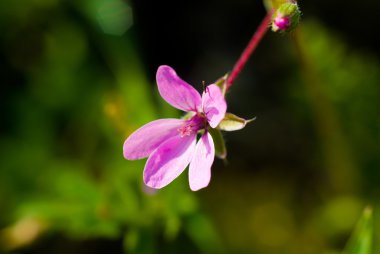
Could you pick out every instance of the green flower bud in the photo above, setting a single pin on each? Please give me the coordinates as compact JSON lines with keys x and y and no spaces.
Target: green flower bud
{"x":286,"y":17}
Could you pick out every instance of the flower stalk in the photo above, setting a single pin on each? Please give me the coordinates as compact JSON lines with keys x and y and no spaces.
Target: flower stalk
{"x":252,"y":45}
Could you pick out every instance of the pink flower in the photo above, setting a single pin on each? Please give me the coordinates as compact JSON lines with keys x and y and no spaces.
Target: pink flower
{"x":171,"y":144}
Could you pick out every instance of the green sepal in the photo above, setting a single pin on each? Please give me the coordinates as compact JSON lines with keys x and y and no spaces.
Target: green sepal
{"x":361,"y":239}
{"x":220,"y":146}
{"x":222,"y":83}
{"x":290,"y":10}
{"x":232,"y":122}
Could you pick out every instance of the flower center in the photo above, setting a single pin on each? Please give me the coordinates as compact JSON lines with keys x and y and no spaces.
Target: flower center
{"x":185,"y":130}
{"x":192,"y":126}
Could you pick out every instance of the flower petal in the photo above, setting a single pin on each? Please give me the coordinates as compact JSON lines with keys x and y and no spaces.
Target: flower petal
{"x":177,"y":92}
{"x":200,"y":165}
{"x":150,"y":136}
{"x":214,"y":105}
{"x":169,"y":161}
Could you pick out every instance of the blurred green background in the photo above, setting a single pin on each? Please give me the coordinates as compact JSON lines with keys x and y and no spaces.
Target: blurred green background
{"x":77,"y":77}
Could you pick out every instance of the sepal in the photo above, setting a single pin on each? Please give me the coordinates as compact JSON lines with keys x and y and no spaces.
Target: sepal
{"x":222,"y":83}
{"x":219,"y":144}
{"x":232,"y":122}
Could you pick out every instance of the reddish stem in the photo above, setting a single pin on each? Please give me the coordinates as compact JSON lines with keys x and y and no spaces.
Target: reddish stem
{"x":256,"y":38}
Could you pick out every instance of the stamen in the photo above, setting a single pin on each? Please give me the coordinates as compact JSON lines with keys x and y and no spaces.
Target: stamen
{"x":185,"y":130}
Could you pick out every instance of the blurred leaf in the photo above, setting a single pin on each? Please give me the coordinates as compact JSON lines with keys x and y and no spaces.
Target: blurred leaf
{"x":139,"y":241}
{"x":339,"y":215}
{"x":203,"y":233}
{"x":71,"y":202}
{"x":361,"y":239}
{"x":114,"y":16}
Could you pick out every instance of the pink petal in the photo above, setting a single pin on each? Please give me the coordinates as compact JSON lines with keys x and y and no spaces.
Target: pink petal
{"x":150,"y":136}
{"x":214,"y":105}
{"x":169,"y":161}
{"x":200,"y":165}
{"x":177,"y":92}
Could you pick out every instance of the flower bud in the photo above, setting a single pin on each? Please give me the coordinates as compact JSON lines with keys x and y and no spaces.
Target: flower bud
{"x":286,"y":17}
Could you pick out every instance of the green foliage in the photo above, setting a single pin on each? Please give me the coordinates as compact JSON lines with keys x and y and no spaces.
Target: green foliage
{"x":81,"y":94}
{"x":361,"y":239}
{"x":343,"y":94}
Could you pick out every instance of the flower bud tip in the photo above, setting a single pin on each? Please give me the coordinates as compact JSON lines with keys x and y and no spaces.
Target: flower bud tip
{"x":286,"y":17}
